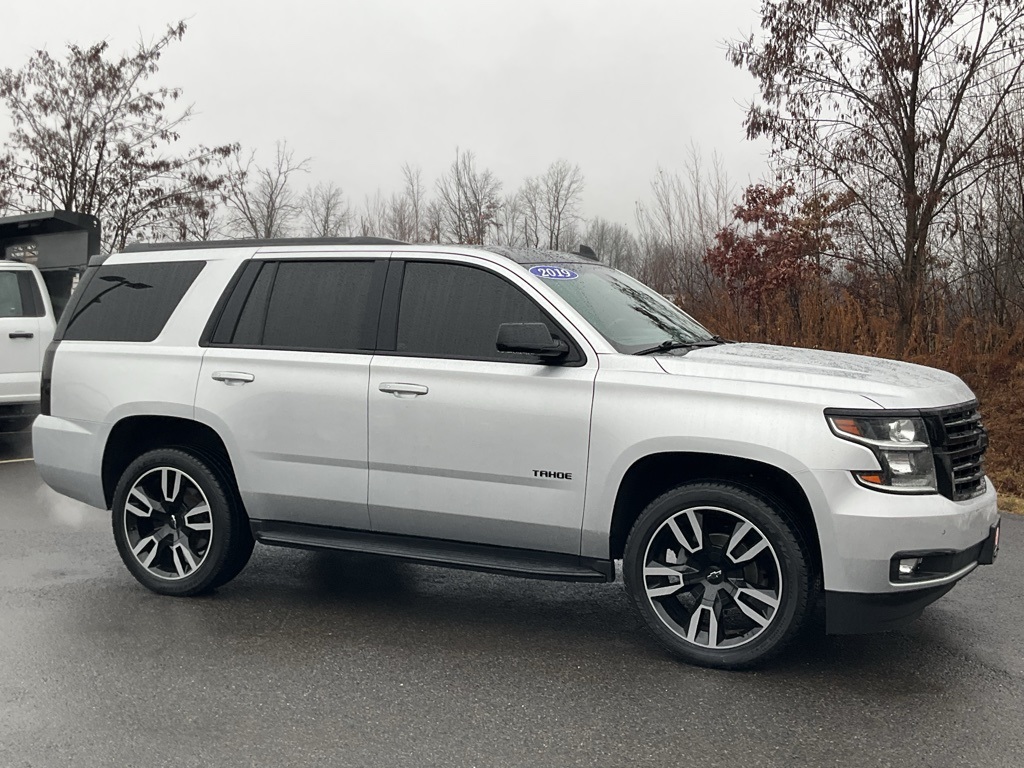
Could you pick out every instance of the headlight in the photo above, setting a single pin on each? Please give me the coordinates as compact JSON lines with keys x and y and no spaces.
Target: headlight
{"x":900,"y":443}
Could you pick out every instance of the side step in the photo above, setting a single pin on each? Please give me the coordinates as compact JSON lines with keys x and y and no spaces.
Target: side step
{"x":452,"y":554}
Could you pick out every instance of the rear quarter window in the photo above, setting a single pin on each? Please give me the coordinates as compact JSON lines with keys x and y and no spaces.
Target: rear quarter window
{"x":130,"y":302}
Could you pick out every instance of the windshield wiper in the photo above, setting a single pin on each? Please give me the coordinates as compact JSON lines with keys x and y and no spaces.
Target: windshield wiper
{"x":670,"y":344}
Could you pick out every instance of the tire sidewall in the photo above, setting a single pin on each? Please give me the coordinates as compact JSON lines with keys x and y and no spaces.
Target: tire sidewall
{"x":792,"y":559}
{"x":221,"y":515}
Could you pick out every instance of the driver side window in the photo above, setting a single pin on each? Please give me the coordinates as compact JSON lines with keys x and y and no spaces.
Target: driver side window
{"x":453,"y":310}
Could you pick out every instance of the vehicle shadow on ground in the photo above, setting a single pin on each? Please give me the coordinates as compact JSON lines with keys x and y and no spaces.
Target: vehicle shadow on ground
{"x":384,"y":595}
{"x":15,"y":445}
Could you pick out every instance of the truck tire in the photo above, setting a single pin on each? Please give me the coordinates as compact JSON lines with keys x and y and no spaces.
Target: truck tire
{"x":719,"y":575}
{"x":179,"y":528}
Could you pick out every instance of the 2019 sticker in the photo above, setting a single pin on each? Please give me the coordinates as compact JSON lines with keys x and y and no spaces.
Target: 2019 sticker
{"x":553,"y":273}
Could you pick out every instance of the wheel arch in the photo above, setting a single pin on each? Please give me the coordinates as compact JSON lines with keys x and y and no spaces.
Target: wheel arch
{"x":132,"y":436}
{"x":650,"y":476}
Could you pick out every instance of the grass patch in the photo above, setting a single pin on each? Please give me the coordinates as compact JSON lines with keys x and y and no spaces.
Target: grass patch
{"x":1011,"y":503}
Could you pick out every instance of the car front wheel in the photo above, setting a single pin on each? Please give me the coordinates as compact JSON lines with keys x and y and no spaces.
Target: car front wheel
{"x":719,"y":574}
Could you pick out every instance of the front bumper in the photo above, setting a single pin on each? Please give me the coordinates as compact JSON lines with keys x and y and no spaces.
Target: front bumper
{"x":860,"y":530}
{"x":849,"y":613}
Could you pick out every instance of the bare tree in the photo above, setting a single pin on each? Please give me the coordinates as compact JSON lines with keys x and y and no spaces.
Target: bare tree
{"x":196,"y":222}
{"x":89,"y":136}
{"x":325,"y":211}
{"x":6,"y":185}
{"x":613,"y":243}
{"x":678,"y":224}
{"x":414,"y":196}
{"x":561,"y":188}
{"x":509,"y":222}
{"x":897,"y":101}
{"x":433,"y":222}
{"x":373,"y":218}
{"x":468,"y":200}
{"x":262,"y":200}
{"x":531,"y":200}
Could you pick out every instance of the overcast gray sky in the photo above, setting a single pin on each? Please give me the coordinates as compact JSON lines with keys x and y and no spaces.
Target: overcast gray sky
{"x":617,"y":86}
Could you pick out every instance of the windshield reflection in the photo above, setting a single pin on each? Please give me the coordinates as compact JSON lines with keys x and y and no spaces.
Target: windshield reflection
{"x":625,"y":311}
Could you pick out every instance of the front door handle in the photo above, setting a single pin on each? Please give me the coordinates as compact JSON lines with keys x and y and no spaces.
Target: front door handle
{"x":233,"y":378}
{"x":403,"y":390}
{"x":21,"y":335}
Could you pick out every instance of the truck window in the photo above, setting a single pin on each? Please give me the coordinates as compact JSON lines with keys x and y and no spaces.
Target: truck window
{"x":10,"y":295}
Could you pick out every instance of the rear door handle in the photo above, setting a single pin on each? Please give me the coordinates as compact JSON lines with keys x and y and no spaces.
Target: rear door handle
{"x":21,"y":335}
{"x":402,"y":390}
{"x":232,"y":378}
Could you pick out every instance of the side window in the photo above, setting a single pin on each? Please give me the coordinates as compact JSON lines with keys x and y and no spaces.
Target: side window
{"x":329,"y":306}
{"x":451,"y":310}
{"x":131,"y":302}
{"x":11,"y":304}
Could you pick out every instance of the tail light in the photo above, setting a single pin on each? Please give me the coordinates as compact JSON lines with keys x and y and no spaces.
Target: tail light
{"x":45,"y":384}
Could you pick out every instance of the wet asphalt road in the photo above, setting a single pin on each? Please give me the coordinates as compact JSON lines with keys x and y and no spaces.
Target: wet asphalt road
{"x":329,"y":660}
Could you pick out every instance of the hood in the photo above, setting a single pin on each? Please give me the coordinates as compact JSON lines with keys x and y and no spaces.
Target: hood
{"x":888,"y":383}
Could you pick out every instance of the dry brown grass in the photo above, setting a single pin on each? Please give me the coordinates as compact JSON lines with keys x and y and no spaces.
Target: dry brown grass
{"x":990,"y":358}
{"x":1010,"y":503}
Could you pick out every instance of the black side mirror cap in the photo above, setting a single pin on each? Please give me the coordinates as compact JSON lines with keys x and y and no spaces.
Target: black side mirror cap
{"x":530,"y":338}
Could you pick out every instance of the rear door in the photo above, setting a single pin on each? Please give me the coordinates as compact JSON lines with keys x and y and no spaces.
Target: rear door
{"x":284,"y":381}
{"x":468,"y":443}
{"x":23,"y":321}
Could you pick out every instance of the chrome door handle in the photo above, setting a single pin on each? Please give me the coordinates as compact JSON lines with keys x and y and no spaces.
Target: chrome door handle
{"x":21,"y":335}
{"x":400,"y":390}
{"x":231,"y":378}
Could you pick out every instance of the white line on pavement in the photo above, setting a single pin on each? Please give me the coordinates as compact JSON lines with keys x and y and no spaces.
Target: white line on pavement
{"x":14,"y":461}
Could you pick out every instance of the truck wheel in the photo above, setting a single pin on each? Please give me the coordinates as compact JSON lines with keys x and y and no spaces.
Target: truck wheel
{"x":178,"y":527}
{"x":718,"y":574}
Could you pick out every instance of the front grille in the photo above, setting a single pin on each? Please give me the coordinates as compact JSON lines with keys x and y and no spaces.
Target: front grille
{"x":960,"y":441}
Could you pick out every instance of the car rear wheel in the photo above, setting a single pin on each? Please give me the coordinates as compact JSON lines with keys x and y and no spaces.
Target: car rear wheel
{"x":178,"y":525}
{"x":718,"y":574}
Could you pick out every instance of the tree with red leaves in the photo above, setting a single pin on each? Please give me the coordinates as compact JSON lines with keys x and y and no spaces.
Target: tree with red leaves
{"x":777,"y":244}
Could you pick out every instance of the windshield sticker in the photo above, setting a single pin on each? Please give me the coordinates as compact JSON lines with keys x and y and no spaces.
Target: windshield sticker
{"x":554,"y":273}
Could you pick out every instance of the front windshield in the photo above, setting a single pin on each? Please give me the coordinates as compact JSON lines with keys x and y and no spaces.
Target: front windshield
{"x":625,"y":311}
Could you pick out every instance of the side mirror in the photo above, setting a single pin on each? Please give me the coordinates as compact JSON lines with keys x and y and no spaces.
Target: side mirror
{"x":530,"y":338}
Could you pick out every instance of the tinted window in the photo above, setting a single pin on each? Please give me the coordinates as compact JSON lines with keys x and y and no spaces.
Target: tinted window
{"x":315,"y":305}
{"x":131,"y":302}
{"x":11,"y":304}
{"x":249,"y":331}
{"x":449,"y":310}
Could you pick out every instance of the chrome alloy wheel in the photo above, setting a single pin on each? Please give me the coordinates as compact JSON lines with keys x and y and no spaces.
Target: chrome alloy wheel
{"x":712,"y":577}
{"x":168,"y":523}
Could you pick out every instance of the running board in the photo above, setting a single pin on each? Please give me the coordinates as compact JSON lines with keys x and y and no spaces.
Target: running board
{"x":528,"y":563}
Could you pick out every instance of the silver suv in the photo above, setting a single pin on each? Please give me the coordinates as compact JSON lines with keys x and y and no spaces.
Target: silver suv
{"x":522,"y":412}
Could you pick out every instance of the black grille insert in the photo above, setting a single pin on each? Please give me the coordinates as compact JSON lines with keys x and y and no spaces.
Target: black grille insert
{"x":960,"y":441}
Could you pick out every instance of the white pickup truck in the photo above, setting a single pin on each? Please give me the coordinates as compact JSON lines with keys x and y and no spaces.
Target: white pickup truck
{"x":26,"y":327}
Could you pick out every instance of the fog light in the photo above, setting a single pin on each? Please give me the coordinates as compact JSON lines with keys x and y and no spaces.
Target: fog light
{"x":909,"y":565}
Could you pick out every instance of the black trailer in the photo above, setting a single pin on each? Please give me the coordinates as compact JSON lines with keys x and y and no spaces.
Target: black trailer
{"x":59,"y":243}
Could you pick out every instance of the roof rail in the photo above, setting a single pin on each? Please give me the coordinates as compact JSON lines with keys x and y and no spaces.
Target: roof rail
{"x":255,"y":243}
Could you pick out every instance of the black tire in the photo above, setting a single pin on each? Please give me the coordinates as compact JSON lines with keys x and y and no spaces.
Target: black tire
{"x":712,"y":618}
{"x":203,"y":491}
